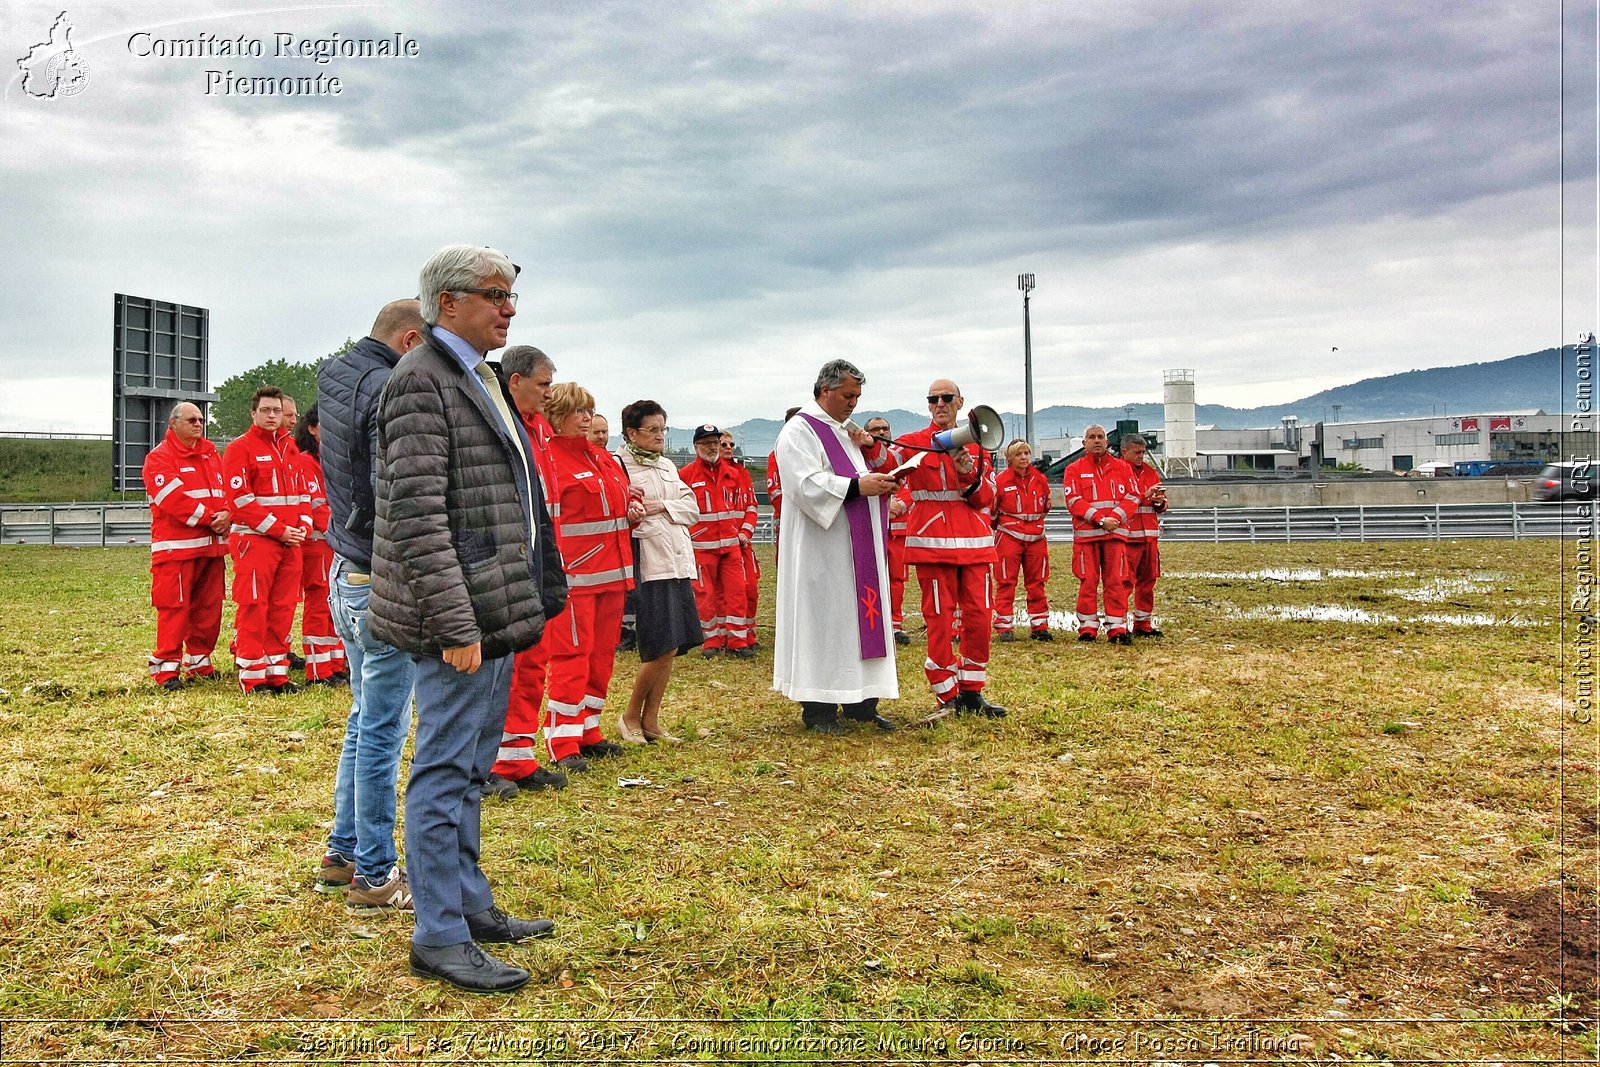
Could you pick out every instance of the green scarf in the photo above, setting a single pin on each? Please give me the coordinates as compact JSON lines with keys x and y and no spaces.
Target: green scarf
{"x":643,"y":456}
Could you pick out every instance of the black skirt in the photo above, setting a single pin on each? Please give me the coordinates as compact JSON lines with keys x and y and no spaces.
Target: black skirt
{"x":668,"y":618}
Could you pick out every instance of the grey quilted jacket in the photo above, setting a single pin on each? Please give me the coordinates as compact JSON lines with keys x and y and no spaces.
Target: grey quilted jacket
{"x":456,"y":558}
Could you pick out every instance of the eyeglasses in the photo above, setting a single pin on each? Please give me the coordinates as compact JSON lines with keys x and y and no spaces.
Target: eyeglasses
{"x":497,"y":297}
{"x":650,"y":429}
{"x":193,"y":418}
{"x":944,"y":398}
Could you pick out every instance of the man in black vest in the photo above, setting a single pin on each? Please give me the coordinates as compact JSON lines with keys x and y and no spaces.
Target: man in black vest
{"x":361,"y":858}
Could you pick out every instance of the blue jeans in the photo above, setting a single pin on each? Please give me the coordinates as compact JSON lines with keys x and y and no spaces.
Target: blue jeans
{"x":459,"y":721}
{"x":381,"y":679}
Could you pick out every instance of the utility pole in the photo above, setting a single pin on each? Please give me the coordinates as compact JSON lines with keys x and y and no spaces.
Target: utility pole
{"x":1025,"y":283}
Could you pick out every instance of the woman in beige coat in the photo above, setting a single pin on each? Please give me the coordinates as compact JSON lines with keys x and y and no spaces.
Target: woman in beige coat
{"x":668,"y":619}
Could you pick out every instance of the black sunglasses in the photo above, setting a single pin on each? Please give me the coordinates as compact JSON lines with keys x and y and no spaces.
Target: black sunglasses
{"x":947,"y":398}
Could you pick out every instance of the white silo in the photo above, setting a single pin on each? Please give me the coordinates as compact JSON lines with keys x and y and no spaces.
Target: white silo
{"x":1177,"y":394}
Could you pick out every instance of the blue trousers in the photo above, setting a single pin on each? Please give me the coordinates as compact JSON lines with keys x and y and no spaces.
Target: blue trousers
{"x":459,"y":721}
{"x":374,"y":734}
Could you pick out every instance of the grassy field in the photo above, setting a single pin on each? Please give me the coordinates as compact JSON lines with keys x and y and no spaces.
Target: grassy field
{"x":1336,"y":813}
{"x":47,"y":471}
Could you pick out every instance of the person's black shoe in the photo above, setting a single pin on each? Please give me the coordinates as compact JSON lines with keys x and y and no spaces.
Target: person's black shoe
{"x":971,"y":702}
{"x":883,"y":724}
{"x":286,"y":688}
{"x":1005,"y":635}
{"x":742,"y":653}
{"x":1122,"y":639}
{"x":629,"y":643}
{"x":901,"y":637}
{"x":544,"y":778}
{"x":172,"y":685}
{"x":495,"y":927}
{"x":467,"y":967}
{"x":575,"y":763}
{"x":296,"y":663}
{"x":834,"y":728}
{"x":498,"y":785}
{"x":1147,"y":633}
{"x":1042,"y":635}
{"x":602,"y":749}
{"x":710,"y":653}
{"x":1086,"y":635}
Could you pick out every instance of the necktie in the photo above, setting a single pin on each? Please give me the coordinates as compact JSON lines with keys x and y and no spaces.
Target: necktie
{"x":498,"y":399}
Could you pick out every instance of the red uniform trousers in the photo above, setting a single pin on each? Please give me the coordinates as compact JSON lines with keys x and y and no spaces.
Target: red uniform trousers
{"x":752,"y":587}
{"x":323,"y":650}
{"x":583,"y":653}
{"x":266,"y":587}
{"x":1102,"y":561}
{"x":946,"y":589}
{"x":1144,"y":567}
{"x":187,"y":595}
{"x":895,"y":551}
{"x":719,"y":593}
{"x":519,"y":750}
{"x":1031,"y":561}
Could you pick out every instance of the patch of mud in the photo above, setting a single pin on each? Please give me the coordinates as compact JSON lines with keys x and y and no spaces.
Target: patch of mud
{"x":1537,"y":943}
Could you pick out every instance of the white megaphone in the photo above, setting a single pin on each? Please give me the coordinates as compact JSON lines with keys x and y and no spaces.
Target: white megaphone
{"x":983,"y":426}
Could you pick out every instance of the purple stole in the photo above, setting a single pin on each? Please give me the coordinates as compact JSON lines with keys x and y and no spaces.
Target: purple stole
{"x":858,"y":513}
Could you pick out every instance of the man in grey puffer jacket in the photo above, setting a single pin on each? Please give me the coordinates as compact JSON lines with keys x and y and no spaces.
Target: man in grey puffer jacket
{"x":465,"y":573}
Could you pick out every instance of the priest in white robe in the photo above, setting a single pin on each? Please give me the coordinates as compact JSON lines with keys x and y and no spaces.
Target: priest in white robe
{"x":833,"y":650}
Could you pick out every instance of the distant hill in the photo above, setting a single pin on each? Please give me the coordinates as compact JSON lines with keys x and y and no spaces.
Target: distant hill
{"x":1520,"y":383}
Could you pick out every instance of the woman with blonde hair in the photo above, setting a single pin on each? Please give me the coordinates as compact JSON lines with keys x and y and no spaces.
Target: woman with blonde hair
{"x":593,"y":522}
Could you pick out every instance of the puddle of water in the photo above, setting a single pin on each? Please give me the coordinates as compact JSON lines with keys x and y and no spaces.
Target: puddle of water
{"x":1336,"y":613}
{"x":1443,"y":589}
{"x":1290,"y":574}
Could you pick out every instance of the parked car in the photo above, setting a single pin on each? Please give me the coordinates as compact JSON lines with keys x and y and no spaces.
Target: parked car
{"x":1566,"y":481}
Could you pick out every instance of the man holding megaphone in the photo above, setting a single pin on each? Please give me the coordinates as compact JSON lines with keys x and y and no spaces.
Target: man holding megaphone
{"x":949,"y":539}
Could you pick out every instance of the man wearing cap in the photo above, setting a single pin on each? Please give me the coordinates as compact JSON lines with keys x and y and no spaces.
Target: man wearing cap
{"x":747,"y":549}
{"x":724,"y":523}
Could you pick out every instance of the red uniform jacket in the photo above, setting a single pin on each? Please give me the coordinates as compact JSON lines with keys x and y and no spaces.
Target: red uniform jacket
{"x":1022,"y":502}
{"x":310,"y":470}
{"x":949,"y":517}
{"x":719,"y":493}
{"x":541,"y":433}
{"x":774,"y":488}
{"x":1146,"y":521}
{"x":185,"y":489}
{"x":1095,"y":488}
{"x":264,"y":487}
{"x":596,"y":547}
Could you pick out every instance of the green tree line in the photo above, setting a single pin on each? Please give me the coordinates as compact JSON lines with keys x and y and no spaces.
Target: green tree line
{"x":230,"y":415}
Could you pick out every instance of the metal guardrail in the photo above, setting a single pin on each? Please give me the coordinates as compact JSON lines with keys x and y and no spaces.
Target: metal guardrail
{"x":111,"y":524}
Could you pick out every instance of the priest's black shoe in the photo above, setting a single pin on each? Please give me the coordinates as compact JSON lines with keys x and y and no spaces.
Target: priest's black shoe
{"x":467,"y":967}
{"x":834,"y":727}
{"x":971,"y":702}
{"x":495,"y":927}
{"x":881,"y":723}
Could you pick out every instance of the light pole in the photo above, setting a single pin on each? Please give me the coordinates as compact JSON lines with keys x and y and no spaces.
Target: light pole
{"x":1025,"y":283}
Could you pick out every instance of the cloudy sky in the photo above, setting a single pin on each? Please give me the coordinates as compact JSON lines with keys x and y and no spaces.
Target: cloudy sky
{"x":709,"y":200}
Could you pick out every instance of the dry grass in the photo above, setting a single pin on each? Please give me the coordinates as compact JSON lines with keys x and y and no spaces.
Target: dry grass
{"x":1323,"y":837}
